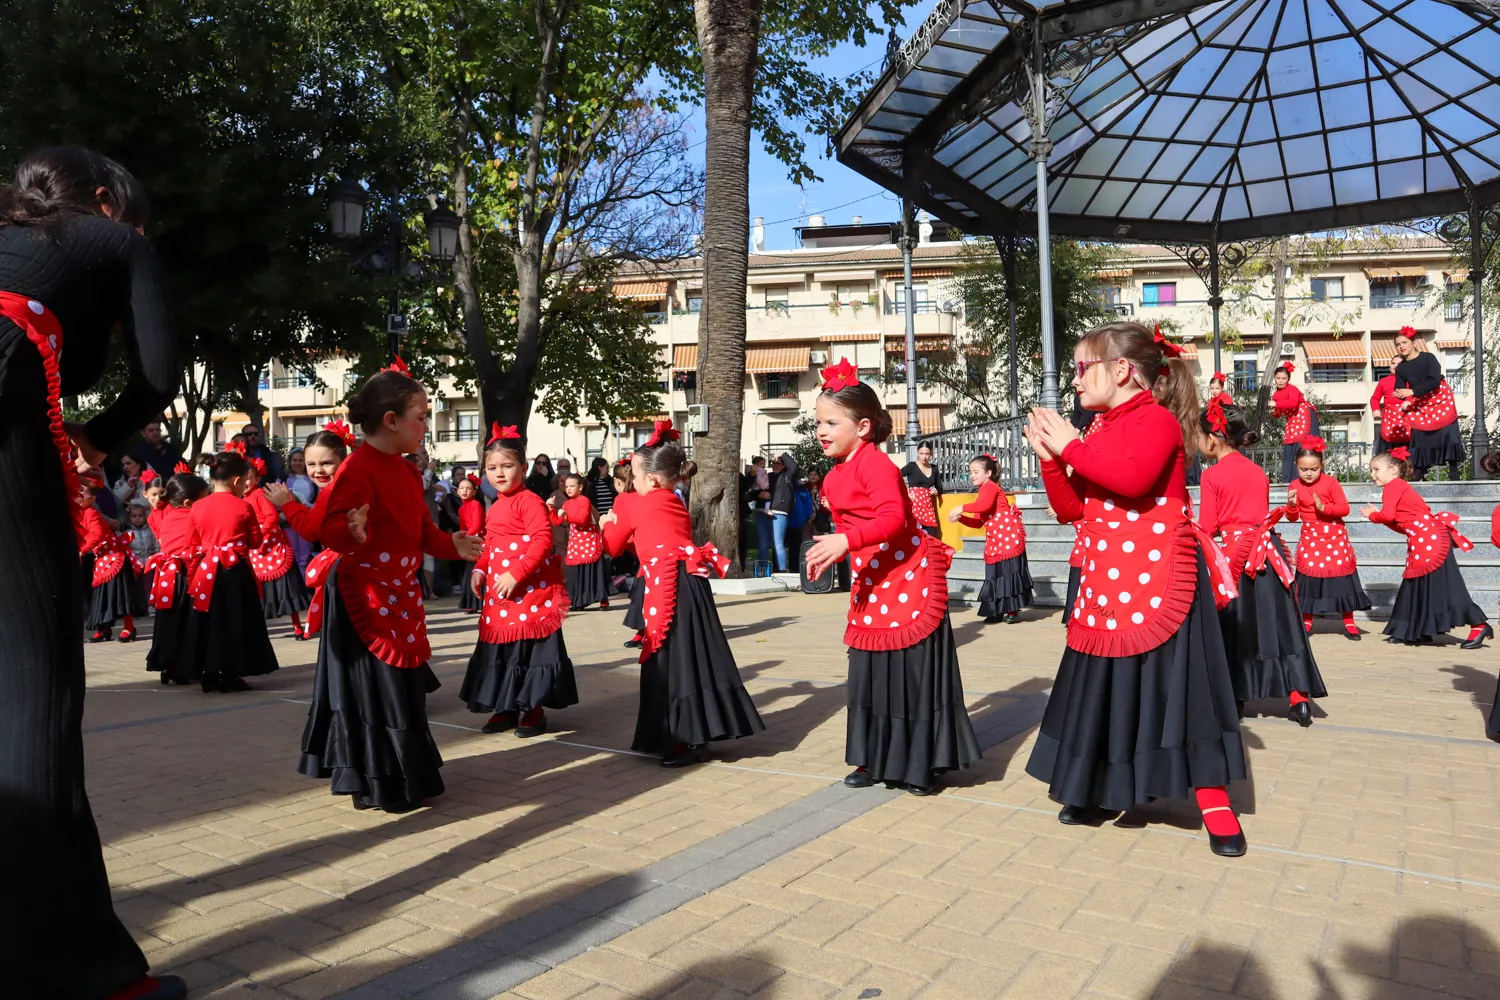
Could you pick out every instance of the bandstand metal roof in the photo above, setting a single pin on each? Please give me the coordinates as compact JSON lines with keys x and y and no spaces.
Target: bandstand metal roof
{"x":1191,"y":121}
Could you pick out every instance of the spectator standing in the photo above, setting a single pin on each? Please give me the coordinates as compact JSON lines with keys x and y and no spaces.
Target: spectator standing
{"x":541,"y":479}
{"x":306,"y":491}
{"x":254,"y":448}
{"x":599,"y":487}
{"x":155,"y":452}
{"x":128,"y":486}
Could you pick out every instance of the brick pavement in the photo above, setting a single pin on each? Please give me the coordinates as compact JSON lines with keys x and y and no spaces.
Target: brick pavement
{"x":562,"y":867}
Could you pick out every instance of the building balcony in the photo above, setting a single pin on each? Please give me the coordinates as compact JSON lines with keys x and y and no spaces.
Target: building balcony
{"x":1387,"y":301}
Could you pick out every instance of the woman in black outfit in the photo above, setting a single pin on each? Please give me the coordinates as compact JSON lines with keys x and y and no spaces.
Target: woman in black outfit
{"x":1419,"y":376}
{"x":924,"y":485}
{"x":542,"y":481}
{"x":599,"y":486}
{"x":66,"y":271}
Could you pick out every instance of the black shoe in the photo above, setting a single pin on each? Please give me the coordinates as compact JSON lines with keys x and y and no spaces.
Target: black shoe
{"x":535,"y":729}
{"x":687,"y":756}
{"x":402,"y":807}
{"x":1239,"y":708}
{"x":859,"y":778}
{"x":499,"y":723}
{"x":923,"y":790}
{"x":1301,"y":714}
{"x":633,"y":643}
{"x":1085,"y":816}
{"x":992,"y":620}
{"x":1391,"y":638}
{"x":228,"y":684}
{"x":1011,"y":619}
{"x":1351,"y":636}
{"x":1232,"y":846}
{"x":1478,"y":641}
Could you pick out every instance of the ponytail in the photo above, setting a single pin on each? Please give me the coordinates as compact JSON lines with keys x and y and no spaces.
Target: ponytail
{"x":1177,"y":390}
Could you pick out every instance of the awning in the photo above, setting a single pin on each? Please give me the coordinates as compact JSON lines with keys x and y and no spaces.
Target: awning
{"x":1457,"y":277}
{"x":776,"y":279}
{"x":646,"y":418}
{"x":776,"y":360}
{"x":1380,"y":273}
{"x":1253,"y":343}
{"x":897,"y":345}
{"x":850,"y":338}
{"x":315,"y":411}
{"x":929,"y":418}
{"x":640,"y":291}
{"x":685,"y":357}
{"x":1381,"y":351}
{"x":918,"y":273}
{"x":844,"y":277}
{"x":1189,"y":351}
{"x":1120,"y":273}
{"x":1343,"y":351}
{"x":1454,"y":344}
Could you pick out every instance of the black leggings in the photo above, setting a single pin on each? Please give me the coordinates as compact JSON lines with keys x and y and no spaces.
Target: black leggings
{"x":59,"y":936}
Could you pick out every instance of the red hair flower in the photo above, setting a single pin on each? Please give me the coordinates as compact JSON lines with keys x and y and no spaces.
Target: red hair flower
{"x":259,"y":465}
{"x":1400,"y":453}
{"x":1219,"y":378}
{"x":992,"y":458}
{"x":1288,"y":367}
{"x":397,"y":365}
{"x":1409,"y":332}
{"x":340,"y":430}
{"x":473,"y":479}
{"x":1313,"y":443}
{"x":238,"y":447}
{"x":1168,"y":349}
{"x":181,"y":469}
{"x":661,"y":434}
{"x":840,"y":376}
{"x":1217,"y":422}
{"x":507,"y":433}
{"x":148,"y":477}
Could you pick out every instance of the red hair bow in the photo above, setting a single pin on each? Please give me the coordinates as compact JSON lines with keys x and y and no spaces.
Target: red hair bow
{"x":626,"y":460}
{"x":473,"y":479}
{"x":397,"y":365}
{"x":662,"y":433}
{"x":238,"y":447}
{"x":1313,"y":443}
{"x":1217,"y":422}
{"x":1400,"y":453}
{"x":1168,"y":349}
{"x":181,"y":469}
{"x":340,"y":430}
{"x":992,"y":458}
{"x":1288,"y":367}
{"x":840,"y":376}
{"x":507,"y":433}
{"x":258,"y":464}
{"x":1219,"y":378}
{"x":148,"y":477}
{"x":1409,"y":332}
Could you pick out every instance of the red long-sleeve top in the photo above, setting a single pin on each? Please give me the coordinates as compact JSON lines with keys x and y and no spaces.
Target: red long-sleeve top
{"x":518,"y":541}
{"x":96,"y":530}
{"x":653,"y":520}
{"x":1302,"y":508}
{"x":266,"y":514}
{"x":1495,"y":527}
{"x":1429,"y":537}
{"x":1289,"y":403}
{"x":1004,"y":534}
{"x":222,"y":520}
{"x":1236,"y":493}
{"x":377,"y":577}
{"x":175,"y":530}
{"x":1135,"y":452}
{"x":1400,"y":506}
{"x":584,"y":546}
{"x":471,"y":517}
{"x":1384,"y":396}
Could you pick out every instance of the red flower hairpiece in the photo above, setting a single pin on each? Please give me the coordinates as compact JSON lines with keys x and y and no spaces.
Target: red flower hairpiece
{"x":1288,"y":367}
{"x":473,"y":479}
{"x":397,"y":365}
{"x":148,"y":477}
{"x":662,"y":433}
{"x":626,"y":460}
{"x":340,"y":430}
{"x":1400,"y":453}
{"x":1219,"y":378}
{"x":1313,"y":443}
{"x":1217,"y":422}
{"x":238,"y":447}
{"x":507,"y":433}
{"x":258,"y":464}
{"x":840,"y":376}
{"x":181,"y":469}
{"x":1409,"y":332}
{"x":1168,"y":349}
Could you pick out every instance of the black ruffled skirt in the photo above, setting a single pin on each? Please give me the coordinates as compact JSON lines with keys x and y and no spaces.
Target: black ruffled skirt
{"x":1007,"y":587}
{"x":519,"y":676}
{"x":1331,"y":595}
{"x":587,"y":584}
{"x":285,"y":595}
{"x":116,"y":598}
{"x":1123,"y":730}
{"x":907,"y":719}
{"x":1431,"y":605}
{"x":229,"y":639}
{"x":367,"y":727}
{"x":635,"y":615}
{"x":1439,"y":447}
{"x":691,"y":692}
{"x":468,"y":600}
{"x":169,"y":632}
{"x":1075,"y":578}
{"x":1269,"y":655}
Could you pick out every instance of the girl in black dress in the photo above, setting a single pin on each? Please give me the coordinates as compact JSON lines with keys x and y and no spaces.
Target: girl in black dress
{"x":69,"y":276}
{"x":1427,"y":404}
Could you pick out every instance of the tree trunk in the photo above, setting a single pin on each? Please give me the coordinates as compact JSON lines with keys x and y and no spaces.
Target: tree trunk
{"x":729,"y":37}
{"x":246,"y":390}
{"x":1279,"y":258}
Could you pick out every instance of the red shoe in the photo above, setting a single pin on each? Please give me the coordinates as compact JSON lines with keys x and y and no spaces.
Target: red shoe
{"x":102,"y":635}
{"x":298,"y":634}
{"x":127,"y":635}
{"x":603,"y":605}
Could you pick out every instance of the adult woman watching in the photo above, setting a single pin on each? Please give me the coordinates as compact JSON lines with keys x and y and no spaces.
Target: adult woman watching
{"x":1427,"y":402}
{"x":924,"y":485}
{"x":74,"y":267}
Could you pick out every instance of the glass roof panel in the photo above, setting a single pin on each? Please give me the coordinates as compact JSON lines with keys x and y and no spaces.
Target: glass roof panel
{"x":1142,"y":204}
{"x":1351,"y":147}
{"x":1293,"y":27}
{"x":1351,"y":187}
{"x":1346,"y":106}
{"x":1325,"y":23}
{"x":1312,"y":191}
{"x":1480,"y":50}
{"x":1339,"y":60}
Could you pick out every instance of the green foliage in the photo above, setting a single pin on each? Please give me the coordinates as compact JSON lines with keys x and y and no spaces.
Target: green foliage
{"x":807,"y":451}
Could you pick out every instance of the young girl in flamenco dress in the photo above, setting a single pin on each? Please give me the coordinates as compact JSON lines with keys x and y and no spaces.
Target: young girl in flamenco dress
{"x":585,"y":568}
{"x":1269,"y":655}
{"x":1143,"y":704}
{"x":1301,"y":419}
{"x":323,"y":454}
{"x":520,"y":665}
{"x":908,"y":724}
{"x":1007,"y":576}
{"x":283,"y":592}
{"x":367,"y":728}
{"x":470,"y":522}
{"x":691,"y":692}
{"x":1432,"y":598}
{"x":172,"y":569}
{"x":110,"y":568}
{"x":1327,"y":574}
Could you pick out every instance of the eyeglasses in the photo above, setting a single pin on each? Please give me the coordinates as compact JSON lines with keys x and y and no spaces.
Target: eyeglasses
{"x":1081,"y":368}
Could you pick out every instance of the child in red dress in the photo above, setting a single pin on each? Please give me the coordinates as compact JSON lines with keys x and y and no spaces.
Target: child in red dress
{"x":520,"y":665}
{"x":323,"y":454}
{"x":109,"y":567}
{"x":367,"y":727}
{"x":470,"y":522}
{"x":1007,"y":576}
{"x":172,"y":569}
{"x":1301,"y":419}
{"x":1327,"y":574}
{"x":585,"y":568}
{"x":907,"y":720}
{"x":1143,"y":705}
{"x":283,"y":593}
{"x":1432,"y":598}
{"x":691,"y":692}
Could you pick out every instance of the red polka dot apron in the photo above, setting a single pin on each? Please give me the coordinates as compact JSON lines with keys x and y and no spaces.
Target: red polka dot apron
{"x":1250,"y":549}
{"x":272,"y":558}
{"x":1298,"y":424}
{"x":1075,"y":558}
{"x":215,"y":560}
{"x":921,"y":505}
{"x":1324,"y":549}
{"x":534,"y":610}
{"x":318,"y":569}
{"x":584,"y":545}
{"x":1004,"y":534}
{"x":168,"y":568}
{"x":1140,"y":575}
{"x":899,"y":593}
{"x":111,"y":555}
{"x":660,"y":570}
{"x":45,"y":333}
{"x":1433,"y":411}
{"x":1429,"y":539}
{"x":385,"y":604}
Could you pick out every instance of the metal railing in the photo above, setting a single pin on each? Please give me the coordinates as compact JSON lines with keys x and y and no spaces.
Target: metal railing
{"x":1453,"y":312}
{"x":294,"y":382}
{"x":1359,"y":374}
{"x":1378,"y":301}
{"x":1346,"y":461}
{"x":952,"y":451}
{"x":462,"y":434}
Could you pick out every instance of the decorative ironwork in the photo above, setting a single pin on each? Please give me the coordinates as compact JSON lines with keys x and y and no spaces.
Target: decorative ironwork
{"x":925,"y":37}
{"x":952,"y":450}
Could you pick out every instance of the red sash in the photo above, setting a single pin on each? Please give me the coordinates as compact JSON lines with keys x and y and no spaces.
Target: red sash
{"x":317,"y":574}
{"x":45,"y":334}
{"x":660,"y":571}
{"x":168,"y":569}
{"x":1249,"y":549}
{"x":205,"y":576}
{"x":111,"y":555}
{"x":1428,"y":541}
{"x":921,"y":505}
{"x":1432,"y":411}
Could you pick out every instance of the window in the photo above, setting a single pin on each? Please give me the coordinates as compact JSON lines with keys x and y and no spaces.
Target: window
{"x":1453,"y":306}
{"x":1327,"y":288}
{"x":468,"y":420}
{"x":593,"y":442}
{"x":1159,"y":293}
{"x":853,"y":293}
{"x":1246,"y":373}
{"x":1339,"y":435}
{"x":897,"y":371}
{"x":778,"y":300}
{"x":695,"y":302}
{"x":778,"y":386}
{"x":640,"y":435}
{"x":919,"y":300}
{"x":1336,"y":373}
{"x":263,"y":380}
{"x":975,"y":371}
{"x":779,"y":436}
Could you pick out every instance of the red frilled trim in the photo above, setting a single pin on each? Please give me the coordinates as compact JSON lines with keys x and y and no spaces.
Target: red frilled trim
{"x":541,"y":619}
{"x":45,"y":334}
{"x":318,"y":569}
{"x":660,"y":604}
{"x":273,"y":559}
{"x":1164,"y":622}
{"x":932,"y":613}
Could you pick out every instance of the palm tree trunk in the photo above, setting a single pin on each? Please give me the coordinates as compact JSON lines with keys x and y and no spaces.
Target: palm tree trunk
{"x":729,"y":37}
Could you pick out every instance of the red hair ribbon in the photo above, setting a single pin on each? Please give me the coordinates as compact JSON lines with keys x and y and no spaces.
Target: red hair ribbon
{"x":340,"y":430}
{"x":148,"y":477}
{"x":237,"y":447}
{"x":1313,"y":443}
{"x":397,"y":365}
{"x":662,"y":433}
{"x":1288,"y":367}
{"x":1217,"y":422}
{"x":1219,"y":378}
{"x":507,"y":433}
{"x":258,"y":464}
{"x":840,"y":376}
{"x":992,"y":458}
{"x":1409,"y":332}
{"x":473,"y":479}
{"x":1168,"y":349}
{"x":181,"y":469}
{"x":1400,"y":453}
{"x":626,"y":460}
